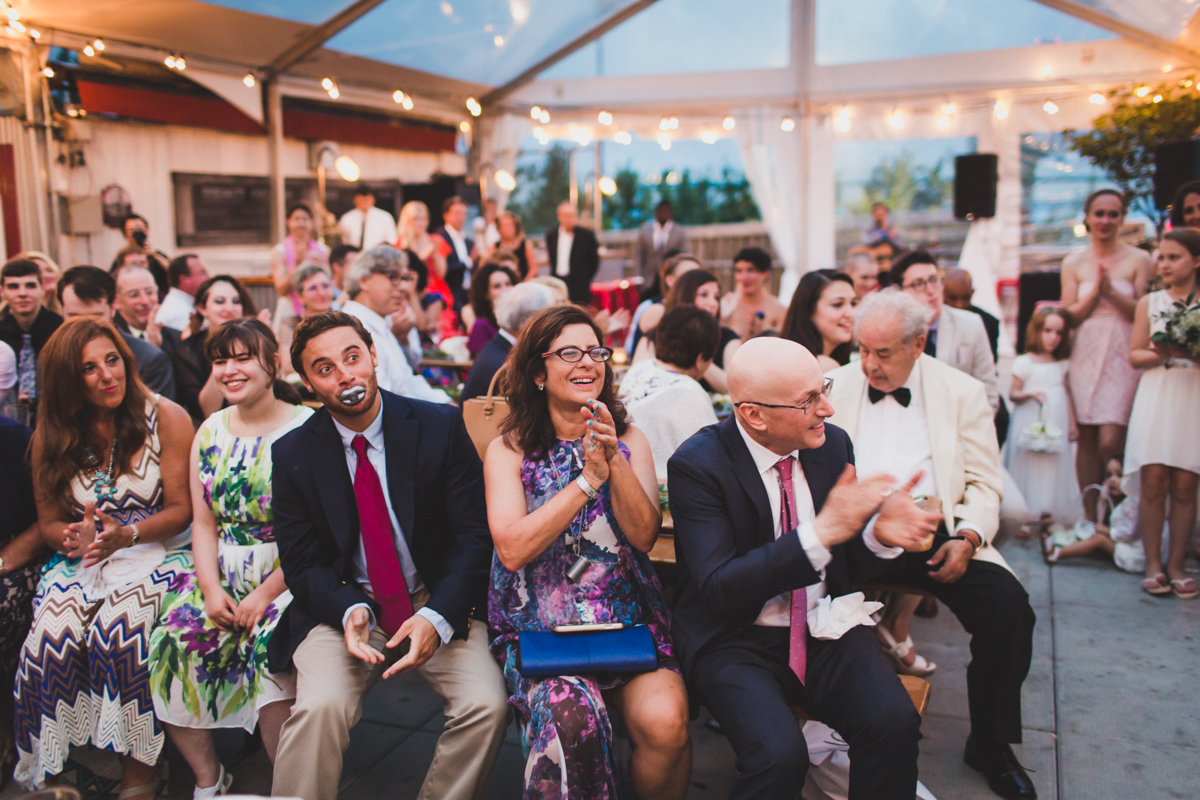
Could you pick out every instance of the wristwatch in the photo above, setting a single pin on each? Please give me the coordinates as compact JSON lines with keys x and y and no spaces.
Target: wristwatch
{"x":970,"y":540}
{"x":137,"y":535}
{"x":583,"y":484}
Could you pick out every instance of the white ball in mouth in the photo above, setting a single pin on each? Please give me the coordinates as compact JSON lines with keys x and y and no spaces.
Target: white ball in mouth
{"x":352,"y":395}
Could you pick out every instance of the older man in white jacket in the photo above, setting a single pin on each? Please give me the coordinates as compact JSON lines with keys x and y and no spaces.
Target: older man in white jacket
{"x":907,"y":413}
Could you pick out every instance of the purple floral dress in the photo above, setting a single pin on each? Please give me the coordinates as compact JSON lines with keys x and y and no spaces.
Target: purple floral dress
{"x":565,"y":727}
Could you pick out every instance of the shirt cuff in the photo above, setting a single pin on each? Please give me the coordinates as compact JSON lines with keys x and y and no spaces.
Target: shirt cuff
{"x":444,"y":629}
{"x":818,"y":554}
{"x":875,"y":546}
{"x":370,"y":615}
{"x":963,"y":525}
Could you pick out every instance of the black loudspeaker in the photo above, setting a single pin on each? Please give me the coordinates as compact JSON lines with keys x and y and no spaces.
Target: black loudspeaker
{"x":1175,"y":163}
{"x":1034,"y":288}
{"x":975,"y":185}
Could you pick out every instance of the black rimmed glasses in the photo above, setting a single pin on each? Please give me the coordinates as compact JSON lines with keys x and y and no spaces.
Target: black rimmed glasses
{"x":573,"y":355}
{"x":932,"y":282}
{"x":804,"y":407}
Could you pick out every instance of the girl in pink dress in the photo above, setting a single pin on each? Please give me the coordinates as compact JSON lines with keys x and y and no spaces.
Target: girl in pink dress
{"x":1100,"y":289}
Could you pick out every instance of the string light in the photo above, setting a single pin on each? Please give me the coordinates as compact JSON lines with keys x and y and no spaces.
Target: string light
{"x":1142,"y":91}
{"x":949,"y":109}
{"x":505,"y":180}
{"x":334,"y":93}
{"x":170,"y":62}
{"x":896,"y":119}
{"x":88,"y":51}
{"x":98,"y":44}
{"x":13,"y":14}
{"x":842,"y":123}
{"x":674,"y":122}
{"x":623,"y":137}
{"x":35,"y":33}
{"x":728,"y":123}
{"x":1158,"y":98}
{"x":664,"y":141}
{"x":605,"y":118}
{"x":464,"y":126}
{"x":787,"y":124}
{"x":664,"y":124}
{"x":408,"y":102}
{"x":474,"y":107}
{"x":535,"y":113}
{"x":544,"y":118}
{"x":541,"y":136}
{"x":1097,"y":99}
{"x":943,"y":121}
{"x":1049,"y":107}
{"x":48,"y":72}
{"x":499,"y":40}
{"x":398,"y":96}
{"x":249,"y":80}
{"x":16,"y":26}
{"x":708,"y":137}
{"x":1167,"y":68}
{"x":1000,"y":110}
{"x":180,"y":64}
{"x":326,"y":84}
{"x":1046,"y":71}
{"x":608,"y":186}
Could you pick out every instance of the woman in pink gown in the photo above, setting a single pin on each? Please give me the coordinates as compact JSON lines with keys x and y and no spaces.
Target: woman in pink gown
{"x":1100,"y":289}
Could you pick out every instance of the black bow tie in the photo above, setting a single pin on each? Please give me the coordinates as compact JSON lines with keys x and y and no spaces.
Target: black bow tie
{"x":903,"y":395}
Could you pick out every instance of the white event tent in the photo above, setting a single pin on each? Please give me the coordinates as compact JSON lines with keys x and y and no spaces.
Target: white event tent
{"x":787,"y":78}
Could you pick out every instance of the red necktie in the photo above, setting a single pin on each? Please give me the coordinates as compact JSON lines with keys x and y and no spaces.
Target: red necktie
{"x":798,"y":636}
{"x":379,"y":544}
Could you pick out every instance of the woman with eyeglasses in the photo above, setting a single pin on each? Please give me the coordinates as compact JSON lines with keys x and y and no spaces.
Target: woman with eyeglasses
{"x":573,"y":508}
{"x":315,"y":289}
{"x":1101,"y":285}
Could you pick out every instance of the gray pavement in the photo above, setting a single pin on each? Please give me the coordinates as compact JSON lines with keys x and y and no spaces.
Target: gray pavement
{"x":1111,"y":706}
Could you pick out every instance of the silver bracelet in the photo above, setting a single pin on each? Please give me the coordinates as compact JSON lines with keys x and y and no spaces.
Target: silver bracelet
{"x":137,"y":535}
{"x":583,"y":484}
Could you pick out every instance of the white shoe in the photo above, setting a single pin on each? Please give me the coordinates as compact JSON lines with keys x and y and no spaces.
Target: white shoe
{"x":224,"y":781}
{"x":896,"y":651}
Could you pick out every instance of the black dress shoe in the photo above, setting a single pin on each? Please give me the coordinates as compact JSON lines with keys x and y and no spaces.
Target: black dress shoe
{"x":1005,"y":775}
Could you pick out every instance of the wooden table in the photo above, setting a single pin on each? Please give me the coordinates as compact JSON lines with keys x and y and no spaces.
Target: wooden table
{"x":663,"y":551}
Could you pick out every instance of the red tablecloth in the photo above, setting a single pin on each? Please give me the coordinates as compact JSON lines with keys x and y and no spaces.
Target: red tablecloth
{"x":612,"y":296}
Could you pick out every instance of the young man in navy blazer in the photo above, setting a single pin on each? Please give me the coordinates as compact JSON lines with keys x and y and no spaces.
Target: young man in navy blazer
{"x":384,"y":543}
{"x":770,"y":519}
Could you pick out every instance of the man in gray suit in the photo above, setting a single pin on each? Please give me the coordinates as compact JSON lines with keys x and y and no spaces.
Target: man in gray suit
{"x":90,"y":291}
{"x":956,"y":337}
{"x":656,"y":239}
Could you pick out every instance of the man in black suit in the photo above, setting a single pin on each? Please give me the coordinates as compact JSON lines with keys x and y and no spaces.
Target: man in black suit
{"x":135,"y":305}
{"x":459,"y":264}
{"x":514,"y":308}
{"x":769,"y":519}
{"x":89,"y":291}
{"x":574,"y":254}
{"x":384,"y":581}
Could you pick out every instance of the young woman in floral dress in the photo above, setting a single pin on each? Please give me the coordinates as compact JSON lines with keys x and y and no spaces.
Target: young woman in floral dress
{"x":209,"y":653}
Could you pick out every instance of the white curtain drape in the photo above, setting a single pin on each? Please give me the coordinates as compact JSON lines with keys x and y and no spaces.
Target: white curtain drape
{"x":773,"y":167}
{"x":503,"y":147}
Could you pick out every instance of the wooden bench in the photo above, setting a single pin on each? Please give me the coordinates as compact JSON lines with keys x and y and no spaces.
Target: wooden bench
{"x":917,"y":688}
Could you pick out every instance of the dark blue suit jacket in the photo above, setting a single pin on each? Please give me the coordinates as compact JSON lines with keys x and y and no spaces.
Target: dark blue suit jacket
{"x":456,"y":268}
{"x":728,"y":561}
{"x":435,"y":481}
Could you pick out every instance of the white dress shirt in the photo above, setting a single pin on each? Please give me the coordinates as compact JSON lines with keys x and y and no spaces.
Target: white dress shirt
{"x":777,"y":612}
{"x":562,"y":267}
{"x":458,"y":240}
{"x":378,"y":459}
{"x":176,"y":310}
{"x":393,"y":372}
{"x":380,"y":228}
{"x":895,"y":440}
{"x":661,"y":234}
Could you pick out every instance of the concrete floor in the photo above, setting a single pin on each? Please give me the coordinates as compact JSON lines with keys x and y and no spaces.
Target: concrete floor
{"x":1111,"y":706}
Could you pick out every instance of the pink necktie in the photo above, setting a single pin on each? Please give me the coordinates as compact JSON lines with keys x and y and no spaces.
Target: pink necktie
{"x":798,"y":637}
{"x":379,"y":544}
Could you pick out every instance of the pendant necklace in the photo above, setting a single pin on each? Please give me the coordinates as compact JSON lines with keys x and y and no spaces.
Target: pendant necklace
{"x":102,"y":480}
{"x":574,"y":533}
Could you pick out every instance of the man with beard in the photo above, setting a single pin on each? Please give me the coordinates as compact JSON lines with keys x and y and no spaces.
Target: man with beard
{"x":384,"y":581}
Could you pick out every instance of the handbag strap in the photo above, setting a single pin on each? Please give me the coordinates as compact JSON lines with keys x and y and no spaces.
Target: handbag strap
{"x":490,"y":403}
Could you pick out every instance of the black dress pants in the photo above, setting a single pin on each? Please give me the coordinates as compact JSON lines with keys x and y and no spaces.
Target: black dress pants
{"x":849,"y":685}
{"x":994,"y":608}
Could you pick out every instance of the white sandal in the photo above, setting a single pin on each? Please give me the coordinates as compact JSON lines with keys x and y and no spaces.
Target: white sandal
{"x":224,"y":781}
{"x":896,"y":651}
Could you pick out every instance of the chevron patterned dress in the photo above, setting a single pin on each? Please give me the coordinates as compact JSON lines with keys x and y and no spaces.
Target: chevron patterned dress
{"x":83,"y":676}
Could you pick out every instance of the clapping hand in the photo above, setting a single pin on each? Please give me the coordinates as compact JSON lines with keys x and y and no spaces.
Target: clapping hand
{"x":901,"y":522}
{"x":849,"y":506}
{"x":601,"y":431}
{"x":111,"y":538}
{"x":78,"y":536}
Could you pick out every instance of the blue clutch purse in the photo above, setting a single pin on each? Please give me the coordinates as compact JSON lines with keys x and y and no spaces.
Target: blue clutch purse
{"x":547,"y":654}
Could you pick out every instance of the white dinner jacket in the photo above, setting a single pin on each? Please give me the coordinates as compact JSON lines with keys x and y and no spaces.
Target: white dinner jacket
{"x":962,"y":440}
{"x":962,"y":343}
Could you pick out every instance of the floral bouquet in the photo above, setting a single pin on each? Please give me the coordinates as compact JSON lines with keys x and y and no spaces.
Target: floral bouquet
{"x":1181,"y":331}
{"x":1042,"y":436}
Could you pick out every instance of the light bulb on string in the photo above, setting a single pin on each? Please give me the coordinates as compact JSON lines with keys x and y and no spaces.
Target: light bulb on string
{"x":474,"y":107}
{"x":787,"y":124}
{"x":334,"y":93}
{"x":34,"y":33}
{"x":728,"y":123}
{"x":1142,"y":91}
{"x":608,"y":187}
{"x":1158,"y":98}
{"x":326,"y":84}
{"x":88,"y":50}
{"x":12,"y":13}
{"x":249,"y":80}
{"x":605,"y":118}
{"x":948,"y":109}
{"x":664,"y":124}
{"x":170,"y":62}
{"x":98,"y":44}
{"x":1000,"y":110}
{"x":1097,"y":99}
{"x":535,"y":113}
{"x":545,"y":117}
{"x":398,"y":96}
{"x":943,"y":121}
{"x":16,"y":26}
{"x":708,"y":137}
{"x":674,"y":122}
{"x":664,"y":141}
{"x":180,"y":64}
{"x":408,"y":102}
{"x":623,"y":137}
{"x":1050,"y":107}
{"x":48,"y":72}
{"x":896,"y":119}
{"x":505,"y":180}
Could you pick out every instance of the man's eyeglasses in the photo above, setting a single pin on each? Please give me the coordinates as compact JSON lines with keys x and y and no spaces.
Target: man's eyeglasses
{"x":927,"y":283}
{"x":804,"y":407}
{"x":398,"y":278}
{"x":573,"y":355}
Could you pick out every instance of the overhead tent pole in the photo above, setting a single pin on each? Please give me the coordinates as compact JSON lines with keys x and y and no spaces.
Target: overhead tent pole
{"x":503,"y":91}
{"x":318,"y":36}
{"x":1133,"y":33}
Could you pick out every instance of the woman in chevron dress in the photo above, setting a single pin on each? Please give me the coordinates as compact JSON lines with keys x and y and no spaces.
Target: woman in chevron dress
{"x":110,"y":471}
{"x":208,"y":655}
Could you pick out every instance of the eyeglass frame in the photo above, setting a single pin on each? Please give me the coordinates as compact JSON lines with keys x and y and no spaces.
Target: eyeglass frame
{"x":805,"y":407}
{"x":932,"y":282}
{"x":582,"y":352}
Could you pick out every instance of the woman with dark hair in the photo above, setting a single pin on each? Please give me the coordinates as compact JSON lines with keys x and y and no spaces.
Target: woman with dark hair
{"x":219,"y":299}
{"x":821,"y":316}
{"x":491,"y":280}
{"x":573,"y":507}
{"x":1162,"y":458}
{"x":513,"y":240}
{"x":1185,"y":208}
{"x":110,"y":477}
{"x":700,"y":288}
{"x":1101,"y":285}
{"x":301,"y":246}
{"x":233,"y":599}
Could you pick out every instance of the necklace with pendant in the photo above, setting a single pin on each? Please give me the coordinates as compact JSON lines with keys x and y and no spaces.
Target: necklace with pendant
{"x":102,"y":480}
{"x":574,"y":535}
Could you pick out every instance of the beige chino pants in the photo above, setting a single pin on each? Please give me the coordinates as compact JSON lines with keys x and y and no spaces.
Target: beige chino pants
{"x":331,"y":685}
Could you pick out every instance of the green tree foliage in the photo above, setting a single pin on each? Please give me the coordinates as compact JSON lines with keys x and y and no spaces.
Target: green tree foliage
{"x":904,"y":186}
{"x":540,"y":188}
{"x":1122,"y":141}
{"x":694,"y":202}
